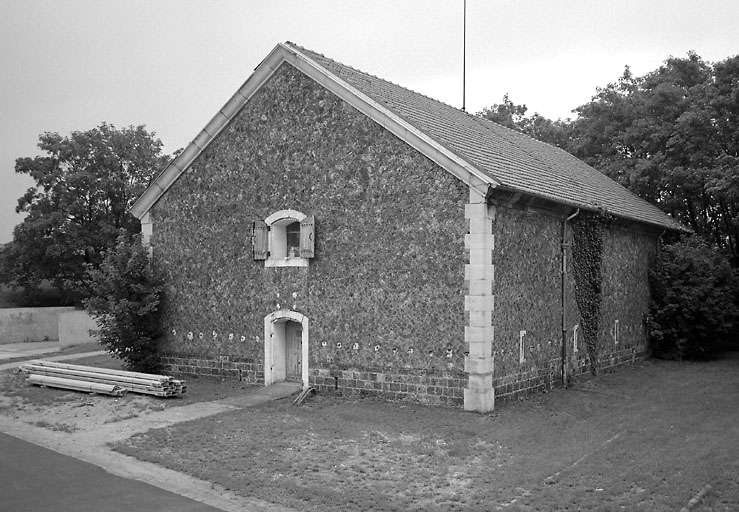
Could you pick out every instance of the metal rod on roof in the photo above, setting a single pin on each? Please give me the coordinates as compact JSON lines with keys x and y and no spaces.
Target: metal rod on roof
{"x":464,"y":51}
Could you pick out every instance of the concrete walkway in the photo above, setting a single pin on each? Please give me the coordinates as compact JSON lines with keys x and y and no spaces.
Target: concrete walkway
{"x":38,"y":354}
{"x":92,"y":446}
{"x":13,"y":350}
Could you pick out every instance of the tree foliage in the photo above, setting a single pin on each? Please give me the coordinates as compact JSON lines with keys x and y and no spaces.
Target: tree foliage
{"x":124,"y":299}
{"x":693,"y":307}
{"x":84,"y":185}
{"x":537,"y":126}
{"x":670,"y":136}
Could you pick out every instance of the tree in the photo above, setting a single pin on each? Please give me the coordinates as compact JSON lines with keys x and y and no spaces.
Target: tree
{"x":537,"y":126}
{"x":85,"y":183}
{"x":694,"y":300}
{"x":124,"y":299}
{"x":672,"y":137}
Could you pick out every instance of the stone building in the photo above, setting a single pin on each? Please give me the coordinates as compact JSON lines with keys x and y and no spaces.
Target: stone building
{"x":335,"y":229}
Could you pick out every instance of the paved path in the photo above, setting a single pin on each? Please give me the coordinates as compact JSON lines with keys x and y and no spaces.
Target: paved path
{"x":44,"y":355}
{"x":35,"y":478}
{"x":13,"y":350}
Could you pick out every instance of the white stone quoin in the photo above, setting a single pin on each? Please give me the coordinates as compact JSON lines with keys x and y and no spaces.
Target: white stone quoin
{"x":480,"y":303}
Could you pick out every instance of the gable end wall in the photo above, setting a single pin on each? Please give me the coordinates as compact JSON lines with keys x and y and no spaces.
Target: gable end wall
{"x":388,"y":272}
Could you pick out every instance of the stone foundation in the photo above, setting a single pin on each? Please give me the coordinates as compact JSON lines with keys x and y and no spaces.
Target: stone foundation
{"x":228,"y":367}
{"x":409,"y":385}
{"x":419,"y":386}
{"x":543,"y":378}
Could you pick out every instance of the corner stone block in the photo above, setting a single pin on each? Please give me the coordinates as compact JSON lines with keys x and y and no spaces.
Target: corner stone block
{"x":479,"y":272}
{"x":478,"y":334}
{"x":479,"y":365}
{"x":475,"y":210}
{"x":479,"y":241}
{"x":479,"y":348}
{"x":478,"y":302}
{"x":482,"y":256}
{"x":479,"y":401}
{"x":481,"y":225}
{"x":481,"y":318}
{"x":480,"y":287}
{"x":480,"y":382}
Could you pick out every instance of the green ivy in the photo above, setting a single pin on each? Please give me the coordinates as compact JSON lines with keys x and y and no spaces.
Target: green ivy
{"x":587,"y":259}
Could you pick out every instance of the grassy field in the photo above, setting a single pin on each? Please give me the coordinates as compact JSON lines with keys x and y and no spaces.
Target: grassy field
{"x":651,"y":437}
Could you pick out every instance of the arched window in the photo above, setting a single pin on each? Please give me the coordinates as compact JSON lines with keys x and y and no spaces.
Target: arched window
{"x":284,"y":239}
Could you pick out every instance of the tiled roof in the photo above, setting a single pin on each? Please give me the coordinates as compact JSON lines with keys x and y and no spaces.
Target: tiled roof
{"x":515,"y":161}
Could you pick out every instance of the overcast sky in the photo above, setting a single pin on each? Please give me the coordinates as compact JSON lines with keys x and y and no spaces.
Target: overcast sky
{"x":68,"y":65}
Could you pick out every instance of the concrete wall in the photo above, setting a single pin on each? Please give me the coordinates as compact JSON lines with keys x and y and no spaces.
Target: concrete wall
{"x":74,"y":328}
{"x":67,"y":325}
{"x":18,"y":325}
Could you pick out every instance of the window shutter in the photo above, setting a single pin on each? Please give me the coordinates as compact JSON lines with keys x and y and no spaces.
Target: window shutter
{"x":260,"y":240}
{"x":307,"y":237}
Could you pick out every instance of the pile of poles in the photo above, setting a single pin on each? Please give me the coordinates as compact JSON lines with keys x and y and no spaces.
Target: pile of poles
{"x":101,"y":380}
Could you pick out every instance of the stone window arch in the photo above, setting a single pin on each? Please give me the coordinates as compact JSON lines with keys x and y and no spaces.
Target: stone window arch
{"x":285,"y":239}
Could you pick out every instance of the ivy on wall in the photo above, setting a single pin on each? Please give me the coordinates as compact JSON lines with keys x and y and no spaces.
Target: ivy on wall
{"x":587,"y":258}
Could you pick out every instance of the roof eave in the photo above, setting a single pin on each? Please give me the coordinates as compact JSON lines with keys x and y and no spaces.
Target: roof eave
{"x":233,"y":106}
{"x":527,"y":200}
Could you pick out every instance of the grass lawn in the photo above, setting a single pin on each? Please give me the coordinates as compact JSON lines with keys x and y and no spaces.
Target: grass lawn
{"x":645,"y":438}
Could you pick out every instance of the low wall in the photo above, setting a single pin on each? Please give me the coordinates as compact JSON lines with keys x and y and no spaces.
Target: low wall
{"x":19,"y":325}
{"x":74,"y":328}
{"x":67,"y":325}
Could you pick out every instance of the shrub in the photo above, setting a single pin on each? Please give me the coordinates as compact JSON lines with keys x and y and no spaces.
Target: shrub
{"x":693,"y":307}
{"x":124,"y":300}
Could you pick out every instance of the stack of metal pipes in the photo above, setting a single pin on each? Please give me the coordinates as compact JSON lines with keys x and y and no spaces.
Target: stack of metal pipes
{"x":101,"y":380}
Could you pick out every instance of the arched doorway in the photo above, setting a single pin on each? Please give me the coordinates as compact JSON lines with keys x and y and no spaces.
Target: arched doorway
{"x":286,"y":348}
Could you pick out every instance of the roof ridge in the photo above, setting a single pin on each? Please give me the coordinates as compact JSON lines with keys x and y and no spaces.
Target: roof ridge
{"x":356,"y":70}
{"x":483,"y":121}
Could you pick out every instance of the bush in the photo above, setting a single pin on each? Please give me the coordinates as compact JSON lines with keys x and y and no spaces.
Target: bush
{"x":693,"y":308}
{"x":124,"y":300}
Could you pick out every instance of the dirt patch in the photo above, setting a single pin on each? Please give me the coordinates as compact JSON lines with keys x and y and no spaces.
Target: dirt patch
{"x":68,"y":411}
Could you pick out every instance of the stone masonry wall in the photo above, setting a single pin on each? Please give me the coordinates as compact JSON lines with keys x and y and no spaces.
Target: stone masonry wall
{"x":528,"y":297}
{"x":225,"y":367}
{"x":385,"y":291}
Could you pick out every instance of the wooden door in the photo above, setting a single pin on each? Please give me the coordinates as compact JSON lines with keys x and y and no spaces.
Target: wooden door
{"x":293,"y":351}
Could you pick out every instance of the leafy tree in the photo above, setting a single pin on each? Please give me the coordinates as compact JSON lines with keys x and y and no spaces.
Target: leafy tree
{"x":125,"y":294}
{"x":694,"y":300}
{"x":537,"y":126}
{"x":85,"y":183}
{"x":672,"y":137}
